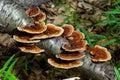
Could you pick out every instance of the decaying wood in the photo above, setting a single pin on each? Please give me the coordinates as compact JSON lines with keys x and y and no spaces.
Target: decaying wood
{"x":99,"y":71}
{"x":12,"y":13}
{"x":12,"y":16}
{"x":30,"y":3}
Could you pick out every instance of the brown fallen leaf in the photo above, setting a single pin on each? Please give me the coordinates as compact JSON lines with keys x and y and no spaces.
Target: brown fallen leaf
{"x":57,"y":19}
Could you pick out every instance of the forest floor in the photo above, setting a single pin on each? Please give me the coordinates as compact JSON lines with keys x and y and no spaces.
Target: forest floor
{"x":92,"y":15}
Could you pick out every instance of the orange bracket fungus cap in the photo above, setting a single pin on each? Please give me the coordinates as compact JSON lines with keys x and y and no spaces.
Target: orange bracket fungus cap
{"x":64,"y":64}
{"x":34,"y":29}
{"x":24,"y":39}
{"x":39,"y":18}
{"x":75,"y":46}
{"x":76,"y":42}
{"x":76,"y":36}
{"x":36,"y":14}
{"x":51,"y":31}
{"x":99,"y":53}
{"x":32,"y":12}
{"x":31,"y":49}
{"x":70,"y":55}
{"x":68,"y":30}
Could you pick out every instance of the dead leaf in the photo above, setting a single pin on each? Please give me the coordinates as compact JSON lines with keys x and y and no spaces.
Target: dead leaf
{"x":85,"y":5}
{"x":57,"y":19}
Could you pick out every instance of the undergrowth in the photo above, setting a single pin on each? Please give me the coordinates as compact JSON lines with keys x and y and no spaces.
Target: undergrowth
{"x":6,"y":70}
{"x":117,"y":73}
{"x":112,"y":34}
{"x":113,"y":24}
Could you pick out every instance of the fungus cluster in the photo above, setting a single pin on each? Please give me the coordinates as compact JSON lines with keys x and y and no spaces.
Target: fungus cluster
{"x":71,"y":53}
{"x":32,"y":34}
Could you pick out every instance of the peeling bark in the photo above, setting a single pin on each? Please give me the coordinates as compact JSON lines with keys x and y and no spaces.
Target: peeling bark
{"x":30,"y":3}
{"x":12,"y":16}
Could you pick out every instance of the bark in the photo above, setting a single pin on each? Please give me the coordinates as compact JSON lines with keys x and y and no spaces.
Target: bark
{"x":12,"y":13}
{"x":30,"y":3}
{"x":12,"y":16}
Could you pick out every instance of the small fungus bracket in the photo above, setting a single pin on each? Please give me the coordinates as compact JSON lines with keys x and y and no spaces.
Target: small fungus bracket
{"x":64,"y":64}
{"x":36,"y":14}
{"x":99,"y":54}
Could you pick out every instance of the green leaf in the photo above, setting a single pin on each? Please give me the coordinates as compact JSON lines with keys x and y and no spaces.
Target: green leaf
{"x":110,"y":20}
{"x":9,"y":70}
{"x":113,"y":12}
{"x":117,"y":2}
{"x":117,"y":73}
{"x":106,"y":22}
{"x":108,"y":42}
{"x":12,"y":77}
{"x":97,"y":35}
{"x":5,"y":72}
{"x":112,"y":28}
{"x":12,"y":65}
{"x":6,"y":64}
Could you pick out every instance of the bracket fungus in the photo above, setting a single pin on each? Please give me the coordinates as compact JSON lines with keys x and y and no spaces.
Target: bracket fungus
{"x":68,"y":30}
{"x":76,"y":41}
{"x":70,"y":55}
{"x":77,"y":46}
{"x":32,"y":12}
{"x":35,"y":32}
{"x":36,"y":14}
{"x":37,"y":28}
{"x":64,"y":64}
{"x":31,"y":49}
{"x":51,"y":31}
{"x":24,"y":39}
{"x":99,"y":53}
{"x":34,"y":29}
{"x":38,"y":17}
{"x":66,"y":60}
{"x":71,"y":52}
{"x":76,"y":36}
